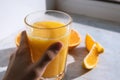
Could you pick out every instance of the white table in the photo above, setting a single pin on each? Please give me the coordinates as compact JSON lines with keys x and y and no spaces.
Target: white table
{"x":105,"y":32}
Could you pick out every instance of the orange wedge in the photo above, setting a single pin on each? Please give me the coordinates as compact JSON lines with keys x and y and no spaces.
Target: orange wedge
{"x":99,"y":47}
{"x":17,"y":39}
{"x":89,"y":42}
{"x":91,"y":60}
{"x":95,"y":49}
{"x":74,"y":39}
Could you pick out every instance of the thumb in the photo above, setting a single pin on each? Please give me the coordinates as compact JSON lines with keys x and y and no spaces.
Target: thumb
{"x":24,"y":49}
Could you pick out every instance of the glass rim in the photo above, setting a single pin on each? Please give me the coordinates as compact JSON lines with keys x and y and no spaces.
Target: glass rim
{"x":69,"y":19}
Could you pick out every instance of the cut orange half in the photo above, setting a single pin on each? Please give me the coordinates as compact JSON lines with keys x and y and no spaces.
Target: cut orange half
{"x":91,"y":60}
{"x":89,"y":42}
{"x":74,"y":39}
{"x":73,"y":42}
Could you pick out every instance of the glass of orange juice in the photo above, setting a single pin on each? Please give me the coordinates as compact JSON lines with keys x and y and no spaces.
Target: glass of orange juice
{"x":43,"y":29}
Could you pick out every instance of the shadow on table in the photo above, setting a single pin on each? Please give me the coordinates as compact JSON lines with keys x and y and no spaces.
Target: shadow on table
{"x":4,"y":59}
{"x":4,"y":56}
{"x":75,"y":69}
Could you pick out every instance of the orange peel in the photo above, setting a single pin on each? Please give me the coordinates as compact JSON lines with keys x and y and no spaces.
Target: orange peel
{"x":74,"y":40}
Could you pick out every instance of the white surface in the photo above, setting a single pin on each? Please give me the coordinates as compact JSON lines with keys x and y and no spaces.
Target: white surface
{"x":92,"y":8}
{"x":12,"y":13}
{"x":2,"y":69}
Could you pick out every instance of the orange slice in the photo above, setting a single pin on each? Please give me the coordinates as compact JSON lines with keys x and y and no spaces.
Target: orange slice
{"x":89,"y":42}
{"x":99,"y":47}
{"x":95,"y":49}
{"x":74,"y":39}
{"x":91,"y":60}
{"x":17,"y":39}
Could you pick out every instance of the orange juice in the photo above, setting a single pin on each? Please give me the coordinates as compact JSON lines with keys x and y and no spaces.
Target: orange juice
{"x":41,"y":37}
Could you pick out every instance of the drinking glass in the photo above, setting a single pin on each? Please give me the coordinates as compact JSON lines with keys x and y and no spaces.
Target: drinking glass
{"x":43,"y":29}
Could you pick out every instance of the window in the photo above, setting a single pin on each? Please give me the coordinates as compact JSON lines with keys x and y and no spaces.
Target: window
{"x":103,"y":9}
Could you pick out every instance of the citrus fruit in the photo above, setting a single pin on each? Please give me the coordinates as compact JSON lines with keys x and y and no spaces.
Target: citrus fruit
{"x":17,"y":39}
{"x":74,"y":39}
{"x":99,"y":47}
{"x":89,"y":42}
{"x":91,"y":60}
{"x":95,"y":49}
{"x":73,"y":42}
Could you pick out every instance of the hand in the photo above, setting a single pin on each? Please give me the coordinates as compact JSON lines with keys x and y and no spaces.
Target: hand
{"x":20,"y":65}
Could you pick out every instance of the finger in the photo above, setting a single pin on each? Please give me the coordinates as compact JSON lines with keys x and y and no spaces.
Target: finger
{"x":24,"y":49}
{"x":24,"y":46}
{"x":50,"y":54}
{"x":24,"y":39}
{"x":38,"y":69}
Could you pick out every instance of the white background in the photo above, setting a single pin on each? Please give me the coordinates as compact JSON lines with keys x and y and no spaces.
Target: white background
{"x":12,"y":13}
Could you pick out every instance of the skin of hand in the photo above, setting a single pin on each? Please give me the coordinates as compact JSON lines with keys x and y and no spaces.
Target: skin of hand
{"x":20,"y":65}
